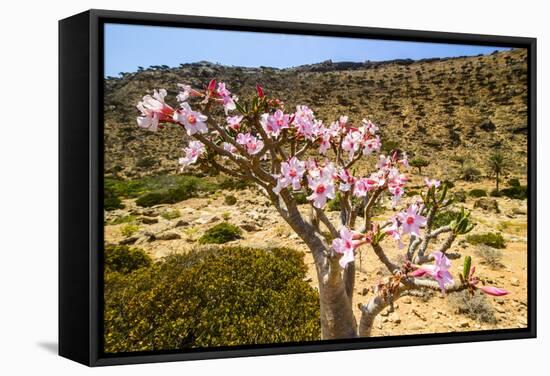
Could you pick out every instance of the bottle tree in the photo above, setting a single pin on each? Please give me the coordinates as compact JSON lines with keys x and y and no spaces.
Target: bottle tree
{"x":284,"y":154}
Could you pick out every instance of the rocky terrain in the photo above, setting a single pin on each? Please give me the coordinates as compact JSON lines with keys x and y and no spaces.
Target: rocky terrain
{"x":436,"y":109}
{"x":262,"y":227}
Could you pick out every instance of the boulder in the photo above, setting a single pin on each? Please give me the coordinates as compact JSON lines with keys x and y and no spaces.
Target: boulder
{"x":488,"y":204}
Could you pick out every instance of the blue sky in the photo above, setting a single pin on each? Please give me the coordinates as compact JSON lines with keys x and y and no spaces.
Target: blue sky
{"x":130,"y":46}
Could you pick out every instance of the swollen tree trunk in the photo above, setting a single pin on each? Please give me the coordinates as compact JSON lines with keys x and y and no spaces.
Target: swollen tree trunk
{"x":337,"y":318}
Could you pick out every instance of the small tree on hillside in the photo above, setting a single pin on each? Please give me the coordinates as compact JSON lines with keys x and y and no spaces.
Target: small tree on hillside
{"x":419,"y":163}
{"x":288,"y":154}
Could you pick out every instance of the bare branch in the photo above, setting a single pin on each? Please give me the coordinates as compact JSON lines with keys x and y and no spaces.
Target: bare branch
{"x":392,"y":267}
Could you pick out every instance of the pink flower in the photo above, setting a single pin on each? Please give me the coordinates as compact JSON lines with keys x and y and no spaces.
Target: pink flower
{"x":234,"y":122}
{"x":404,"y":161}
{"x":432,"y":183}
{"x":396,"y":184}
{"x":227,"y":99}
{"x":322,"y":185}
{"x":229,"y":147}
{"x":363,"y":186}
{"x":192,"y":152}
{"x":411,"y":221}
{"x":292,"y":173}
{"x":372,"y":145}
{"x":154,"y":110}
{"x":439,"y":271}
{"x":186,"y":92}
{"x":253,"y":145}
{"x":351,"y":143}
{"x":347,"y":180}
{"x":193,"y":121}
{"x":345,"y":245}
{"x":494,"y":291}
{"x":369,"y":127}
{"x":384,"y":162}
{"x":273,"y":124}
{"x":304,"y":121}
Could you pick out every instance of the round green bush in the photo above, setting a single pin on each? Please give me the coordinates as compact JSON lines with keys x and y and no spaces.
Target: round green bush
{"x":230,"y":200}
{"x":514,"y":182}
{"x":123,"y":259}
{"x":211,"y":297}
{"x":221,"y":233}
{"x":492,"y":239}
{"x":110,"y":200}
{"x":477,"y":193}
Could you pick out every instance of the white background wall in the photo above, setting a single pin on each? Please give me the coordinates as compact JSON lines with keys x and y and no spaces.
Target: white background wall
{"x":28,"y":184}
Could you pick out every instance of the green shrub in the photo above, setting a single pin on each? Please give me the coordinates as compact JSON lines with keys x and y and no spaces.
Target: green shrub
{"x":470,"y":174}
{"x":388,"y":146}
{"x":492,"y":239}
{"x":443,"y":218}
{"x":476,"y":192}
{"x":301,"y":198}
{"x":230,"y":200}
{"x":123,"y":259}
{"x":516,"y":193}
{"x":495,"y":193}
{"x":211,"y":297}
{"x":221,"y":233}
{"x":129,"y":229}
{"x":170,"y":214}
{"x":334,"y":204}
{"x":448,"y":183}
{"x":165,"y":189}
{"x":146,"y":162}
{"x":233,"y":184}
{"x":110,"y":200}
{"x":124,"y":219}
{"x":514,"y":183}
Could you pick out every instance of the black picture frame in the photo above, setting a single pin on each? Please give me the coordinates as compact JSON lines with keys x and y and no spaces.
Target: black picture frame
{"x":81,"y":173}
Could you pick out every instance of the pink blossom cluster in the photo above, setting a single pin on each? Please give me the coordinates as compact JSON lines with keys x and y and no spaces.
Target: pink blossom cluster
{"x":439,"y":271}
{"x":406,"y":222}
{"x":192,"y":153}
{"x":346,"y":244}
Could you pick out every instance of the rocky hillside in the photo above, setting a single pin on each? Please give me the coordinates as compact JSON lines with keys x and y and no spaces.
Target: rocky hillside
{"x":433,"y":108}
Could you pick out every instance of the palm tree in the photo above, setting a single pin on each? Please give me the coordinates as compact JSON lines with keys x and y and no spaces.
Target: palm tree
{"x":497,"y":165}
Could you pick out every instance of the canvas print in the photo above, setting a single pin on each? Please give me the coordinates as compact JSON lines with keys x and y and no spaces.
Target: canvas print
{"x":264,"y":188}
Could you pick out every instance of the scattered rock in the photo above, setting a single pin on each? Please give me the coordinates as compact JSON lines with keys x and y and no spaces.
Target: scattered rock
{"x":406,"y":300}
{"x":182,"y":223}
{"x":364,"y":292}
{"x":489,"y":204}
{"x":249,"y":226}
{"x":150,"y":213}
{"x":499,"y":309}
{"x":514,"y":282}
{"x":416,"y":326}
{"x":168,"y":236}
{"x":128,"y":241}
{"x":308,"y":279}
{"x":214,"y":219}
{"x":148,"y":220}
{"x":464,"y":324}
{"x":395,"y":318}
